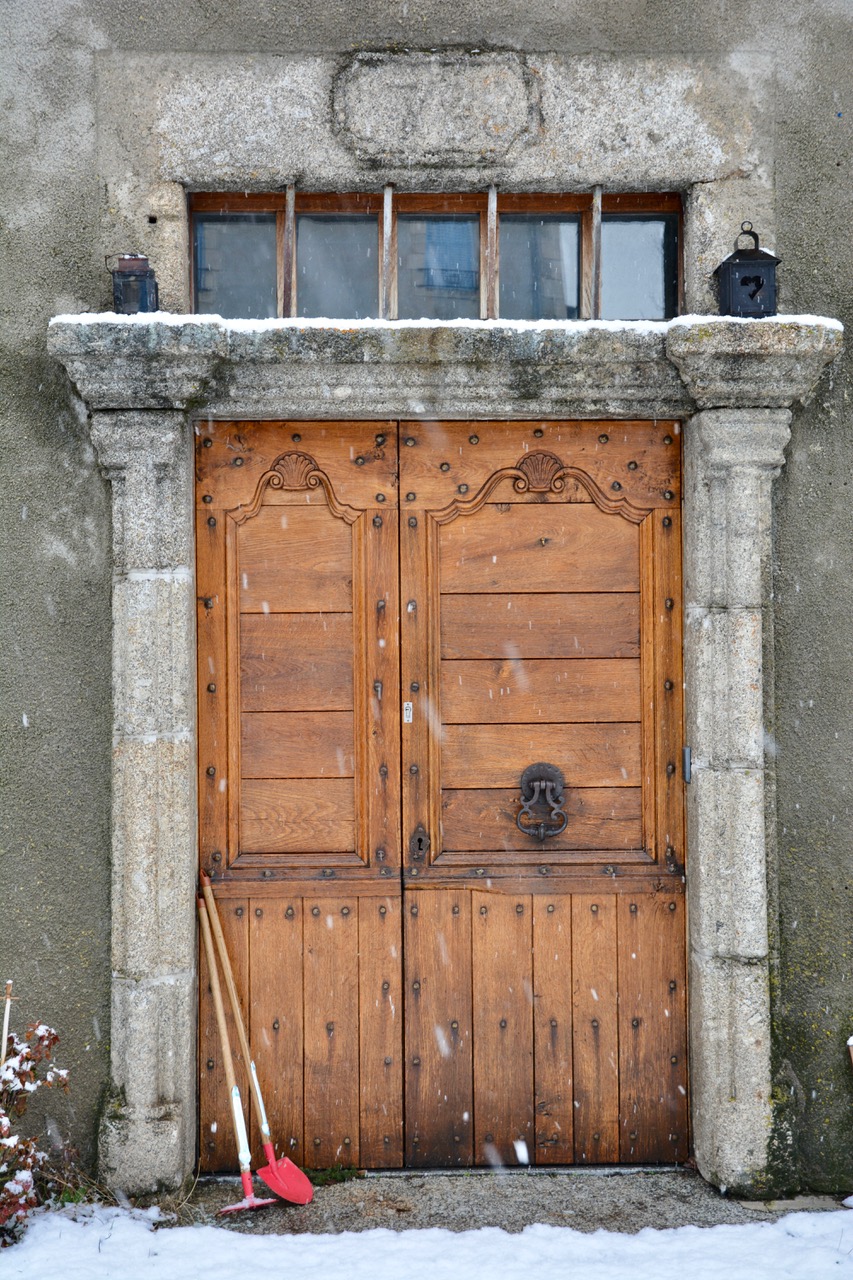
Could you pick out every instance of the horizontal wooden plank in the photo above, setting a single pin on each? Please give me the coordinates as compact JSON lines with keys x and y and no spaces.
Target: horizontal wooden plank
{"x":599,"y":818}
{"x":532,"y":690}
{"x":239,"y":454}
{"x":590,"y":755}
{"x":539,"y":547}
{"x":297,"y":744}
{"x":296,"y":662}
{"x":294,"y":560}
{"x":633,"y":455}
{"x":294,"y":815}
{"x":516,"y":625}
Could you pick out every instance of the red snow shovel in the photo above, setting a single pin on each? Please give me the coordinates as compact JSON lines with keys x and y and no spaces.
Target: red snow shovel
{"x":281,"y":1175}
{"x":250,"y":1200}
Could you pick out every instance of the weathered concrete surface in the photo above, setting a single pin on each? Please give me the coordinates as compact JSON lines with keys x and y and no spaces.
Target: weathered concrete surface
{"x":77,"y":185}
{"x":626,"y":1201}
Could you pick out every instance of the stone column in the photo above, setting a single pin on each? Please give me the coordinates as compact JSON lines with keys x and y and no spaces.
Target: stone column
{"x":731,"y":457}
{"x":147,"y":1135}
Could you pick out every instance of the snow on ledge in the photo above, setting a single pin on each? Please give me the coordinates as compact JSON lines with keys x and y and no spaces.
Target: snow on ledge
{"x":520,"y":326}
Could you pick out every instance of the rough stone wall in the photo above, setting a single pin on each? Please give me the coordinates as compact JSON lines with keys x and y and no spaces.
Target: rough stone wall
{"x":114,"y":107}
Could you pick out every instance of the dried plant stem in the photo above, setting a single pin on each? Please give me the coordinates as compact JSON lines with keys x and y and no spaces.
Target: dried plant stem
{"x":6,"y":1013}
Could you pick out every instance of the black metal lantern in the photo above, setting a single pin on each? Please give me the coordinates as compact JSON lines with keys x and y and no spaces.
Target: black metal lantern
{"x":748,"y":279}
{"x":134,"y":285}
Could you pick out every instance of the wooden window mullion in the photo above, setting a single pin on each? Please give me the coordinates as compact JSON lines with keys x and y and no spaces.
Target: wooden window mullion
{"x":491,"y":255}
{"x":388,"y":257}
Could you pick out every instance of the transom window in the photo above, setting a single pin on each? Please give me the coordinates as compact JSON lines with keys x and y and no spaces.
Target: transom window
{"x":437,"y":257}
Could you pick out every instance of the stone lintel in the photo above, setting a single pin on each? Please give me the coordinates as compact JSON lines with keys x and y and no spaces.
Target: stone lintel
{"x":567,"y":369}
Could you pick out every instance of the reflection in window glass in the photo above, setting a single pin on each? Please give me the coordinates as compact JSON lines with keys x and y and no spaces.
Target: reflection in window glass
{"x":538,"y":267}
{"x":639,"y":269}
{"x":235,"y":265}
{"x":337,"y":273}
{"x":438,"y":267}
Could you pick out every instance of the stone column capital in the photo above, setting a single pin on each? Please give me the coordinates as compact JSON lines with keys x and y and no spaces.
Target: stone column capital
{"x":145,"y":455}
{"x":741,"y":364}
{"x":741,"y":439}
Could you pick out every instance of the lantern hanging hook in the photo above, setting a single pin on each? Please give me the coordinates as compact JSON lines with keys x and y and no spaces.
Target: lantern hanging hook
{"x":746,"y":230}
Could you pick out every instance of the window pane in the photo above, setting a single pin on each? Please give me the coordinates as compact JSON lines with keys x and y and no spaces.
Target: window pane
{"x":639,"y":268}
{"x":235,"y":265}
{"x":538,"y":267}
{"x":337,"y":267}
{"x":438,"y":272}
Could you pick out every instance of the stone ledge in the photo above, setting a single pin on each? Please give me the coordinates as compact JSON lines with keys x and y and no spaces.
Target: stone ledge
{"x":620,"y":369}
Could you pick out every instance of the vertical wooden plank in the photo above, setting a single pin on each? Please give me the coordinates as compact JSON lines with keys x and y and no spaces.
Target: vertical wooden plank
{"x":648,"y":686}
{"x":212,"y":687}
{"x":419,"y":669}
{"x":230,"y":778}
{"x":552,"y":1020}
{"x":439,"y":1091}
{"x":670,"y":693}
{"x":380,"y":953}
{"x":502,"y":949}
{"x":217,"y":1143}
{"x":377,"y":681}
{"x":595,"y":1035}
{"x":275,"y":1032}
{"x":330,"y":933}
{"x":652,"y":1029}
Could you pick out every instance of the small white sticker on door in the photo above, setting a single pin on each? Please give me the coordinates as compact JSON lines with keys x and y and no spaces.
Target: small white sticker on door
{"x":407,"y":713}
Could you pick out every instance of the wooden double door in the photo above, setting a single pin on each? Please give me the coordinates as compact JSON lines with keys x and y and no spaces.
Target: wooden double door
{"x":440,"y":706}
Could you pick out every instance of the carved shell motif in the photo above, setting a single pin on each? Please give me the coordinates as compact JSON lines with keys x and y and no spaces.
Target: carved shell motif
{"x":297,"y":471}
{"x":541,"y":472}
{"x":293,"y":471}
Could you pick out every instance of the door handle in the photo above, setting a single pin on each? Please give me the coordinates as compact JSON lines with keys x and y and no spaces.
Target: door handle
{"x":542,"y":798}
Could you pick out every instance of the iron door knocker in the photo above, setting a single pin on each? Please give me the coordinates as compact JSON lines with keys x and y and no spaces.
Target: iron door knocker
{"x":542,"y":787}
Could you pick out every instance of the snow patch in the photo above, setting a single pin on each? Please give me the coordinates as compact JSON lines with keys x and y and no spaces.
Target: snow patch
{"x":520,"y":326}
{"x":96,"y":1243}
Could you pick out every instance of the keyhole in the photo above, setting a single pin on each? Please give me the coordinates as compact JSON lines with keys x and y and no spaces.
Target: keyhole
{"x":420,"y":844}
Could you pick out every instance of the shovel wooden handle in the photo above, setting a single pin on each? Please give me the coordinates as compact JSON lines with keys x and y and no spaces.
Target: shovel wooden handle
{"x":216,"y":991}
{"x":219,"y":937}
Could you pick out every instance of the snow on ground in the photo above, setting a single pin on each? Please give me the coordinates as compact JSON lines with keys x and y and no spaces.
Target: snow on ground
{"x":113,"y":1243}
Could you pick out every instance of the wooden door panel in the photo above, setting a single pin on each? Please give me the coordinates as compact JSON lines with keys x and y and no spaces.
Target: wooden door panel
{"x":298,"y":744}
{"x":652,"y":1028}
{"x":439,"y":1026}
{"x":552,"y":1028}
{"x":530,"y":691}
{"x":299,"y":775}
{"x":276,"y":1020}
{"x":516,"y":626}
{"x":361,"y":457}
{"x":380,"y":945}
{"x":534,"y":548}
{"x":485,"y":820}
{"x":331,"y":1062}
{"x":595,"y":1029}
{"x":604,"y":451}
{"x":315,"y":547}
{"x":489,"y":755}
{"x":284,"y":815}
{"x":502,"y":936}
{"x":541,"y":625}
{"x":296,"y":661}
